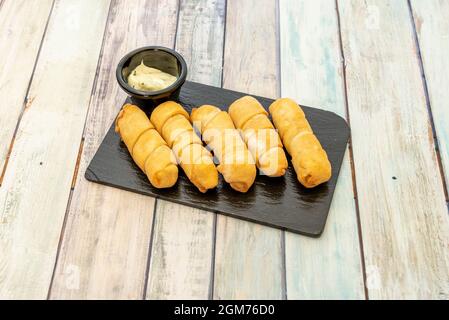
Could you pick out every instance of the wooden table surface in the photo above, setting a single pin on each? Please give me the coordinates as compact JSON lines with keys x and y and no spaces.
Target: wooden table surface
{"x":383,"y":65}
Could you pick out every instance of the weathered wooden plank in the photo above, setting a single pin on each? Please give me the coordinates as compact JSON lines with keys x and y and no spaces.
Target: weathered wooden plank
{"x":181,"y":257}
{"x":404,"y":220}
{"x":108,"y":231}
{"x":432,"y":27}
{"x":36,"y":186}
{"x":105,"y":250}
{"x":248,"y":261}
{"x":311,"y":73}
{"x":200,"y":39}
{"x":22,"y":25}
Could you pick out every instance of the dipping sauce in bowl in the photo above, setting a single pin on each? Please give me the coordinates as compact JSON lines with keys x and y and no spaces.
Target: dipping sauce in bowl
{"x":149,"y":79}
{"x":154,"y":74}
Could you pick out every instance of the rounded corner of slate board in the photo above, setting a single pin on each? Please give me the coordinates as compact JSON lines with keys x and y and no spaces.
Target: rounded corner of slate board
{"x":317,"y":233}
{"x":89,"y":175}
{"x":277,"y":202}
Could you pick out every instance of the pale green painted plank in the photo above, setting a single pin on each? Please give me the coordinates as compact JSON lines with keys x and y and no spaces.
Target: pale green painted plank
{"x":311,"y":73}
{"x":404,"y":219}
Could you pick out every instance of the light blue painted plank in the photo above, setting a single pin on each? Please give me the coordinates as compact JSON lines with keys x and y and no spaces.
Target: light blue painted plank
{"x":311,"y":73}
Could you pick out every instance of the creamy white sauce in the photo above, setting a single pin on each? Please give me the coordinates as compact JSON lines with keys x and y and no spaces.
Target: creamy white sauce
{"x":149,"y":79}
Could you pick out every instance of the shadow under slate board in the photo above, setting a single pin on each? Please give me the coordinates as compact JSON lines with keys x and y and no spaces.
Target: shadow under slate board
{"x":277,"y":202}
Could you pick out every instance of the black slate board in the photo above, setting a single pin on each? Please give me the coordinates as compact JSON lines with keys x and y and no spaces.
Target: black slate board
{"x":278,"y":202}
